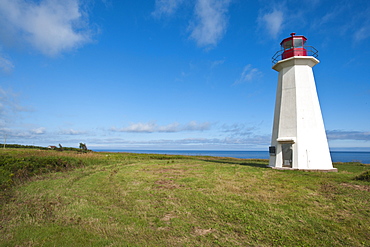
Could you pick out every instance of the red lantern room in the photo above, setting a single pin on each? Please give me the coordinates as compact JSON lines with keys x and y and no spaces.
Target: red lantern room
{"x":293,"y":46}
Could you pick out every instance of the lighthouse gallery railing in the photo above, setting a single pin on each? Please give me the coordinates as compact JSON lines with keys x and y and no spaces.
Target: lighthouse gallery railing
{"x":311,"y":51}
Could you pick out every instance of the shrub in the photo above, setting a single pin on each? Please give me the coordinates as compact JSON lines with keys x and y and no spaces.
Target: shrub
{"x":19,"y":169}
{"x":364,"y":176}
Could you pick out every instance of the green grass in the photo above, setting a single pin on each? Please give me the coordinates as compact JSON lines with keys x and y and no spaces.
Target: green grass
{"x":117,"y":199}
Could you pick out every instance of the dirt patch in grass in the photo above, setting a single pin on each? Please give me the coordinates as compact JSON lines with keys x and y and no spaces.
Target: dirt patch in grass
{"x":175,"y":170}
{"x":168,"y":217}
{"x":167,"y":184}
{"x":357,"y":186}
{"x":201,"y":232}
{"x":172,"y":171}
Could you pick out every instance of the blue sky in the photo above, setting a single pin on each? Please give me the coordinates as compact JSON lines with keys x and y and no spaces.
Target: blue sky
{"x":174,"y":74}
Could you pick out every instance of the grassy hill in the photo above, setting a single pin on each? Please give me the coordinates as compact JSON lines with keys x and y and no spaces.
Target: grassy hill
{"x":52,"y":198}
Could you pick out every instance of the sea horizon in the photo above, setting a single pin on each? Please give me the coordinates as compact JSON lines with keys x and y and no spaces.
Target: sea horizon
{"x":337,"y":156}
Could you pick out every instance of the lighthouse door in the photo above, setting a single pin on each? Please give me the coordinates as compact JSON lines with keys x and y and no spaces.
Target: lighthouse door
{"x":287,"y":154}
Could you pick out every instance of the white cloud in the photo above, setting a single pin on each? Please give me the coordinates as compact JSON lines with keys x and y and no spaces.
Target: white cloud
{"x":211,"y":22}
{"x":272,"y":22}
{"x":72,"y":132}
{"x":238,"y":129}
{"x":249,"y":73}
{"x":15,"y":135}
{"x":173,"y":127}
{"x":38,"y":131}
{"x":336,"y":22}
{"x":50,"y":26}
{"x":361,"y":23}
{"x":6,"y":65}
{"x":332,"y":15}
{"x":151,"y":127}
{"x":9,"y":106}
{"x":194,"y":126}
{"x":362,"y":33}
{"x":217,"y":63}
{"x":166,"y":7}
{"x":138,"y":127}
{"x":348,"y":135}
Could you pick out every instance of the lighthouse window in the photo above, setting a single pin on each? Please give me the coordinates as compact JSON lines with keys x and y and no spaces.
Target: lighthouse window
{"x":288,"y":44}
{"x":298,"y":43}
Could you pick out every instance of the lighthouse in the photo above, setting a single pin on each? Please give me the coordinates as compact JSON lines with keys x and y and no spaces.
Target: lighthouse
{"x":298,"y":137}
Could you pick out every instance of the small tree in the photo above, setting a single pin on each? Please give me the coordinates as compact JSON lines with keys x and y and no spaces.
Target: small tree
{"x":83,"y":146}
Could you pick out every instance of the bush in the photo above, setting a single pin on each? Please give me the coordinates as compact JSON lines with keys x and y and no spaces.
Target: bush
{"x":364,"y":176}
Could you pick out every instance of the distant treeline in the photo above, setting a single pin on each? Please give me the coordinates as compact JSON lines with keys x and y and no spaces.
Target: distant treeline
{"x":38,"y":147}
{"x":22,"y":146}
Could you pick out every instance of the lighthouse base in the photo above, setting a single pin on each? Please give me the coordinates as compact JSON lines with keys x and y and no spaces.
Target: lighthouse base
{"x":306,"y":170}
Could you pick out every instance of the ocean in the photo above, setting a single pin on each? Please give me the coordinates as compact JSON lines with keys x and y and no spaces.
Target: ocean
{"x":337,"y":156}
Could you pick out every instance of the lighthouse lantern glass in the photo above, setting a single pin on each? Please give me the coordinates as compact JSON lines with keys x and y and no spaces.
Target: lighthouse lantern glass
{"x":298,"y":42}
{"x":288,"y":44}
{"x":293,"y":46}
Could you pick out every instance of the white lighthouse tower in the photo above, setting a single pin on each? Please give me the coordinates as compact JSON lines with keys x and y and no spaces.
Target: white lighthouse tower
{"x":298,"y":137}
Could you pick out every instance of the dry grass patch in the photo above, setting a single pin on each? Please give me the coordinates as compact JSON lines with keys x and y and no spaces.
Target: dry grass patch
{"x":201,"y":232}
{"x":167,"y":184}
{"x":361,"y":187}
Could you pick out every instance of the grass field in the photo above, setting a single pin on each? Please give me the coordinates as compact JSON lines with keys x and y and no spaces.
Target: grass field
{"x":121,"y":199}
